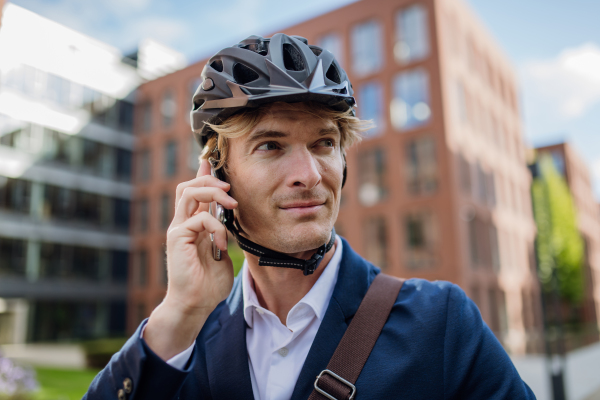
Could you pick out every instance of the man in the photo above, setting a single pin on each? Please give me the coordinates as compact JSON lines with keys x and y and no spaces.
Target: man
{"x":276,"y":117}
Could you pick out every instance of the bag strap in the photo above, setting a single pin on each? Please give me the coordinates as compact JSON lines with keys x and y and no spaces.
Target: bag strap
{"x":337,"y":381}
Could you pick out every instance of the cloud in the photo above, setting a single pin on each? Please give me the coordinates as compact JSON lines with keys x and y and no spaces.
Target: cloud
{"x":569,"y":83}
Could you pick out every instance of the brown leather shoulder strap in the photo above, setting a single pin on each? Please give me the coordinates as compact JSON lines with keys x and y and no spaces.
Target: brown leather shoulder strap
{"x":337,"y":381}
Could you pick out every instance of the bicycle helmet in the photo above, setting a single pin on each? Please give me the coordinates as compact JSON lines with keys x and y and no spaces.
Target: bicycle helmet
{"x":259,"y":71}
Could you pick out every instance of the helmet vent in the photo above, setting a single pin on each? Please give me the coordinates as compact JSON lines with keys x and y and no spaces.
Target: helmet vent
{"x":316,"y":51}
{"x":217,"y":65}
{"x":340,"y":91}
{"x":243,"y":74}
{"x":198,"y":104}
{"x":261,"y":48}
{"x":333,"y":74}
{"x":292,"y":59}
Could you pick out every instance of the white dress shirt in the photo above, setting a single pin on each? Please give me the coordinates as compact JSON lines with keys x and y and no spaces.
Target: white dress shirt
{"x":276,"y":352}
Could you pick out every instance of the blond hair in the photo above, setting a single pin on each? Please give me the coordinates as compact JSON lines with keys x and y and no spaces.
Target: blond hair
{"x":245,"y":121}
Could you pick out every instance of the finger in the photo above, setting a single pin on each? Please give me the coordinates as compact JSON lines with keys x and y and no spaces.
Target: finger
{"x":202,"y":181}
{"x":203,"y":169}
{"x":202,"y":223}
{"x":192,"y":198}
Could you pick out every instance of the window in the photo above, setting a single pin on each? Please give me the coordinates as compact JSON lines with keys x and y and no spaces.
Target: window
{"x":59,"y":261}
{"x":146,"y":109}
{"x":142,"y":270}
{"x":167,"y":109}
{"x":421,"y":166}
{"x":461,"y":102}
{"x":367,"y":48}
{"x":145,"y":170}
{"x":483,"y":243}
{"x":371,"y":176}
{"x":170,"y":158}
{"x":410,"y":105}
{"x":15,"y":194}
{"x":370,"y":97}
{"x":125,"y":121}
{"x":165,"y":211}
{"x":143,"y":215}
{"x":333,"y":43}
{"x":375,"y":240}
{"x":119,"y":266}
{"x":121,"y":214}
{"x":464,"y":171}
{"x":12,"y":257}
{"x":123,"y":169}
{"x":412,"y":36}
{"x":421,"y":240}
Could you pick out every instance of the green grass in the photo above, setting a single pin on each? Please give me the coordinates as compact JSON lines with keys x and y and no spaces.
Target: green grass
{"x":63,"y":384}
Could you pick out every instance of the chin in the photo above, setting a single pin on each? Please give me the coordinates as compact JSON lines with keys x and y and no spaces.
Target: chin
{"x":300,"y":238}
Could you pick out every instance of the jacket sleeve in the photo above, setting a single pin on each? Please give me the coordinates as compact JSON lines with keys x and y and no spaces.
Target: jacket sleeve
{"x":151,"y":377}
{"x":475,"y":363}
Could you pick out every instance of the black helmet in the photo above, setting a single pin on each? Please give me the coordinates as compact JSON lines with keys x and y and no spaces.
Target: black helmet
{"x":258,"y":71}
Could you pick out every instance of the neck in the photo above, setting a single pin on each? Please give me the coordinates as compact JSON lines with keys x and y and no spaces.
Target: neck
{"x":280,"y":289}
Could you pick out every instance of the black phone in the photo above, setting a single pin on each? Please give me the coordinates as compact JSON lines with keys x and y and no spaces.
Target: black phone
{"x":217,"y":211}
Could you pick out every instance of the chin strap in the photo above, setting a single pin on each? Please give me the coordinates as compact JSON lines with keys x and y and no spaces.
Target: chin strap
{"x":271,"y":258}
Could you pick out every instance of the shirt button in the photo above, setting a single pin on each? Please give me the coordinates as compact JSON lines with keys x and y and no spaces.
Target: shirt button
{"x":128,"y":385}
{"x":121,"y":395}
{"x":283,"y":351}
{"x":260,"y":311}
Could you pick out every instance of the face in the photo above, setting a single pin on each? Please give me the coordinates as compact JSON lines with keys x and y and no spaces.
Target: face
{"x":286,"y":175}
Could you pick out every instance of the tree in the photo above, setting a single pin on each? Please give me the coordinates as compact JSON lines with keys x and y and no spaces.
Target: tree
{"x":559,"y":244}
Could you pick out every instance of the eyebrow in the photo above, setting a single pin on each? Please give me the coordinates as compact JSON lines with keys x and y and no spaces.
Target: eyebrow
{"x":272,"y":134}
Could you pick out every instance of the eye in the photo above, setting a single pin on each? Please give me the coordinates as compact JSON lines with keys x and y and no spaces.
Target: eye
{"x":268,"y":146}
{"x":327,"y":143}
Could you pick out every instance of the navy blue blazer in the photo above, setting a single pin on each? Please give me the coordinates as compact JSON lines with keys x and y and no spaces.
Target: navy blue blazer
{"x":433,"y":346}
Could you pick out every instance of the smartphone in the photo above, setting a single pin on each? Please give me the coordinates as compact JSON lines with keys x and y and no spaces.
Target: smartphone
{"x":217,"y":211}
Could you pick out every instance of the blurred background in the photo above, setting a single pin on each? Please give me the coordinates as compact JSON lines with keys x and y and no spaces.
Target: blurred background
{"x":483,"y":168}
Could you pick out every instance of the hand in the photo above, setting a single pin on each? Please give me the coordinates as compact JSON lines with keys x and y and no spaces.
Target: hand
{"x":197,"y":283}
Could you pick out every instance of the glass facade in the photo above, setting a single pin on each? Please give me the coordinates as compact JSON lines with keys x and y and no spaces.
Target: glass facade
{"x":170,"y":158}
{"x":412,"y":34}
{"x":421,"y":166}
{"x":370,"y":100}
{"x":421,"y":231}
{"x":59,"y":91}
{"x":15,"y":194}
{"x":12,"y":257}
{"x":64,"y":150}
{"x":168,"y":108}
{"x":367,"y":48}
{"x":375,"y":241}
{"x":410,"y":107}
{"x":372,"y":186}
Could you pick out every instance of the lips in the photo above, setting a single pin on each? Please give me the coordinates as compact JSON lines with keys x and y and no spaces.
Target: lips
{"x":303,"y":204}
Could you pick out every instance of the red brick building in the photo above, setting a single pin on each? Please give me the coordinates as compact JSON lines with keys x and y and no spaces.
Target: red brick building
{"x":438,"y":190}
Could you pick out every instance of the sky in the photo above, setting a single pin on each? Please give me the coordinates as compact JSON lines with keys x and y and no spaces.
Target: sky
{"x":554,"y":46}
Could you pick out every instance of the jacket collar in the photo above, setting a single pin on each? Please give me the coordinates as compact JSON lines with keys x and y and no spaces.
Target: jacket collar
{"x":354,"y":278}
{"x":226,"y":352}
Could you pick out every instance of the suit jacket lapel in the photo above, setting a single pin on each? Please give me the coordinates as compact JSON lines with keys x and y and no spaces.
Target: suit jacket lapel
{"x":354,"y":278}
{"x":226,"y":352}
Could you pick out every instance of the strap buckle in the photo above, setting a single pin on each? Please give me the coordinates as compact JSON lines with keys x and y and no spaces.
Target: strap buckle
{"x":339,"y":378}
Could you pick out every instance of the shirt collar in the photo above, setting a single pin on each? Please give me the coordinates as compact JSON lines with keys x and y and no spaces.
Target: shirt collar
{"x":317,"y":297}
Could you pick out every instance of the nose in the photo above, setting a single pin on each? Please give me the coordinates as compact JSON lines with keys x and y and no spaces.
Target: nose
{"x":302,"y":169}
